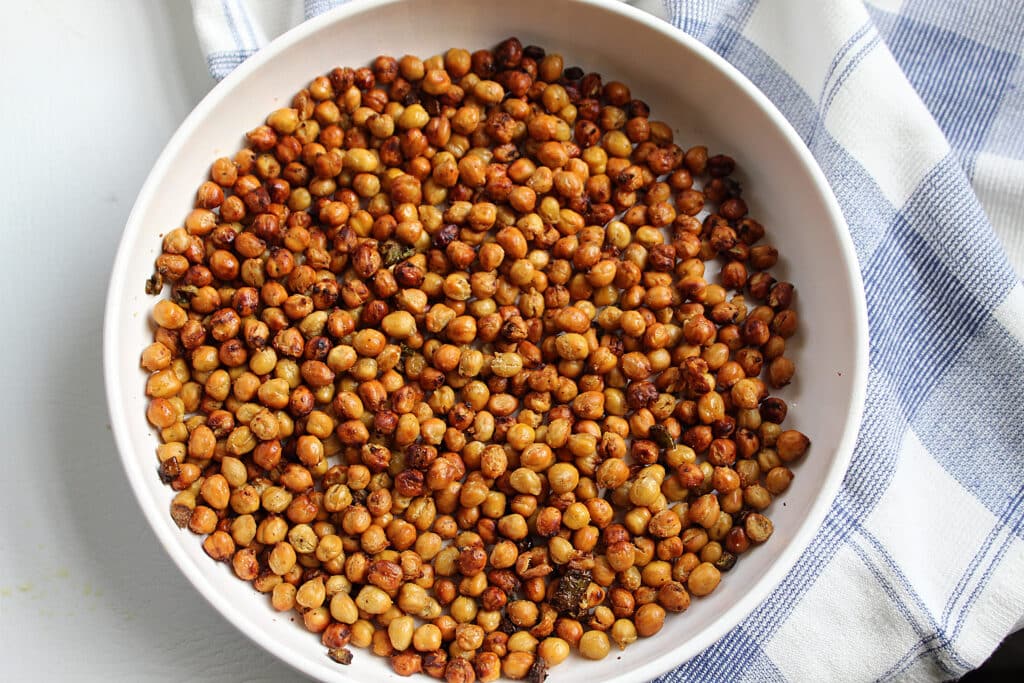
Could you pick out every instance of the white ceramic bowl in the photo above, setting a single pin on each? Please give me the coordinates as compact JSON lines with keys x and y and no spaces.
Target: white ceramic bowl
{"x":704,"y":98}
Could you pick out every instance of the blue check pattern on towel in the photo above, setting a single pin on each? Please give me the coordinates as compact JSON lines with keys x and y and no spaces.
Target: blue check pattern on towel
{"x":914,"y":110}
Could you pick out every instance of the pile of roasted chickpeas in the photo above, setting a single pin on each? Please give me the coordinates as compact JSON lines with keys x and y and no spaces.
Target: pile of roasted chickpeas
{"x":443,"y":368}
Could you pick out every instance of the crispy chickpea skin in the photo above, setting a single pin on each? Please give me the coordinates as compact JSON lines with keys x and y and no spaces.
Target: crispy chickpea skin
{"x":466,"y":360}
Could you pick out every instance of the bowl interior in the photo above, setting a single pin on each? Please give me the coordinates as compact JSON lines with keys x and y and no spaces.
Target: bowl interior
{"x":704,"y":100}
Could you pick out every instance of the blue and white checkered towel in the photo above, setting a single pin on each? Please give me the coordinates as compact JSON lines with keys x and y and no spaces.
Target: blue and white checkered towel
{"x":914,"y":109}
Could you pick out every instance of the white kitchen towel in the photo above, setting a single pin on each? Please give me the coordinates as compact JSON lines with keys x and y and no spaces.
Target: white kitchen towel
{"x":914,"y":109}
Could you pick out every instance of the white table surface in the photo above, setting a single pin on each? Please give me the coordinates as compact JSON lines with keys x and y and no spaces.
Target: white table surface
{"x":92,"y":89}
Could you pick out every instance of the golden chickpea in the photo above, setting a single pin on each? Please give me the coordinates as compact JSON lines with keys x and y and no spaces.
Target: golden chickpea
{"x":163,"y":384}
{"x":373,"y":600}
{"x":399,"y":324}
{"x":155,"y":357}
{"x":169,"y":315}
{"x":523,"y":613}
{"x":311,"y":594}
{"x":282,"y":558}
{"x":594,"y":645}
{"x":517,"y":665}
{"x":778,"y":479}
{"x":522,"y":641}
{"x":703,"y":579}
{"x":623,"y":632}
{"x":563,"y":477}
{"x":463,"y":609}
{"x":553,"y":650}
{"x":400,"y":632}
{"x":283,"y":597}
{"x":426,"y":638}
{"x":649,"y":619}
{"x":644,"y":490}
{"x":526,"y":481}
{"x":506,"y":364}
{"x":469,"y":636}
{"x":576,"y":516}
{"x":220,"y":546}
{"x":343,"y":608}
{"x":362,"y":633}
{"x":216,"y":492}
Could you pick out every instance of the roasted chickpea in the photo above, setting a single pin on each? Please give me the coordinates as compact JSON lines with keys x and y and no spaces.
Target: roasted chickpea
{"x":446,"y":331}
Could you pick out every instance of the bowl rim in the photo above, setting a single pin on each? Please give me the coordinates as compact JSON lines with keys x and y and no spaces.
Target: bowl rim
{"x":672,"y":657}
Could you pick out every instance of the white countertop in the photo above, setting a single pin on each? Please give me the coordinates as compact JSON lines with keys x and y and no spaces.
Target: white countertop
{"x":93,"y":89}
